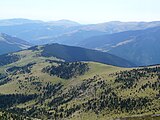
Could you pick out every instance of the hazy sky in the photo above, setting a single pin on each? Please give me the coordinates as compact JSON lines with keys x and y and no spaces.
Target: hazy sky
{"x":83,"y":11}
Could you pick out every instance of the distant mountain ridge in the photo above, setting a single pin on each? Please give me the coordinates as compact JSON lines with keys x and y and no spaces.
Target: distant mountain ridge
{"x":66,"y":31}
{"x":17,"y":21}
{"x":140,"y":46}
{"x":11,"y":44}
{"x":139,"y":39}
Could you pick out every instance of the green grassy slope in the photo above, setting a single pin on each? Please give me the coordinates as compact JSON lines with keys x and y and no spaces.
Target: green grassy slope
{"x":103,"y":92}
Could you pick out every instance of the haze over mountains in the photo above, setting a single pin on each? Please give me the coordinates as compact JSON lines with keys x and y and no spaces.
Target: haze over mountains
{"x":140,"y":46}
{"x":139,"y":39}
{"x":33,"y":31}
{"x":65,"y":31}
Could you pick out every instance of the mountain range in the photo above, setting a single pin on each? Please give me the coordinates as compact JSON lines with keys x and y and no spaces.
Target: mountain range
{"x":140,"y":46}
{"x":65,"y":31}
{"x":139,"y":39}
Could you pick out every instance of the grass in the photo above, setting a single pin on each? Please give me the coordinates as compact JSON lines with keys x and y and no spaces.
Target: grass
{"x":99,"y":69}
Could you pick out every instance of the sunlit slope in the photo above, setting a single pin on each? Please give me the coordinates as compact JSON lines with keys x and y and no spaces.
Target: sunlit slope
{"x":37,"y":86}
{"x":29,"y":56}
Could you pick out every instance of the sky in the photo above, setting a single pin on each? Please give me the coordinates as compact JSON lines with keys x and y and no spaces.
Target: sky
{"x":82,"y":11}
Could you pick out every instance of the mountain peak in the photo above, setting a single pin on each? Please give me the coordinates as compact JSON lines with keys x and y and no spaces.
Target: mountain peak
{"x":64,"y":22}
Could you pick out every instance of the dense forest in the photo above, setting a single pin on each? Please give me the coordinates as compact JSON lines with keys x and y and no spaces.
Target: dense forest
{"x":20,"y":70}
{"x":8,"y":58}
{"x":67,"y":70}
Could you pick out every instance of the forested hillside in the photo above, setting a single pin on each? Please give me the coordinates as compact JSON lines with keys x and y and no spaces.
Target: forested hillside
{"x":37,"y":87}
